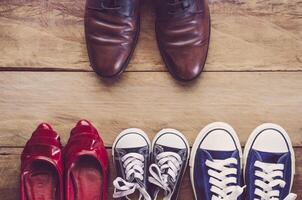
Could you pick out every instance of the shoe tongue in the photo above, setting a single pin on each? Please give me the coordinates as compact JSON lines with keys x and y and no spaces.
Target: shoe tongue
{"x":273,"y":158}
{"x":132,"y":179}
{"x":139,"y":182}
{"x":162,"y":148}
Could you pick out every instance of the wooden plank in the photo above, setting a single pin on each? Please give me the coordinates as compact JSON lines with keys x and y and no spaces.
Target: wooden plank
{"x":10,"y":165}
{"x":246,"y":35}
{"x":150,"y":101}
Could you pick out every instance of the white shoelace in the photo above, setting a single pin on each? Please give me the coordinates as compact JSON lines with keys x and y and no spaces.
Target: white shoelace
{"x":220,"y":179}
{"x":133,"y":164}
{"x":270,"y":176}
{"x":168,"y":165}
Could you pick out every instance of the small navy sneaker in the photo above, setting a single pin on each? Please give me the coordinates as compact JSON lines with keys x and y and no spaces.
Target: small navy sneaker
{"x":215,"y":163}
{"x":269,"y":164}
{"x":170,"y":156}
{"x":131,"y":157}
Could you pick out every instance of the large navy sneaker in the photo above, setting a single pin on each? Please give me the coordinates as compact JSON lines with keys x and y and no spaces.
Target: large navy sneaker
{"x":131,"y":156}
{"x":215,"y":163}
{"x":269,"y":164}
{"x":170,"y":155}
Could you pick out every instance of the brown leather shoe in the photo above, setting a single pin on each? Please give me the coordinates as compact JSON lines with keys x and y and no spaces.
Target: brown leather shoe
{"x":183,"y":32}
{"x":111,"y":31}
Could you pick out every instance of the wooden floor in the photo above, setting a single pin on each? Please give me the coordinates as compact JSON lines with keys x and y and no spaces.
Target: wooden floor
{"x":253,"y":75}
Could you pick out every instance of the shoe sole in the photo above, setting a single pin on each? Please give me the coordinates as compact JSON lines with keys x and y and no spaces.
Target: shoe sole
{"x":176,"y":132}
{"x":202,"y":134}
{"x":255,"y":133}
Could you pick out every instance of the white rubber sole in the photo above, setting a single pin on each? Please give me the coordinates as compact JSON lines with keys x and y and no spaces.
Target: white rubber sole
{"x":131,"y":130}
{"x":203,"y":133}
{"x":253,"y":136}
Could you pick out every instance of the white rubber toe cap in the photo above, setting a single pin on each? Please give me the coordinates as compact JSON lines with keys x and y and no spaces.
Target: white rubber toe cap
{"x":132,"y":138}
{"x":171,"y":138}
{"x":270,"y":140}
{"x":218,"y":140}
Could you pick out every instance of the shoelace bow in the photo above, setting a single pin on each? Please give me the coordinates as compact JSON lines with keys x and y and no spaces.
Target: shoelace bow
{"x":270,"y":176}
{"x":133,"y":164}
{"x":168,"y":165}
{"x":223,"y":182}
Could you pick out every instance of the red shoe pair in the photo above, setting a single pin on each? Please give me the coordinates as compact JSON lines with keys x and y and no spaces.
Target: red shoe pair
{"x":85,"y":167}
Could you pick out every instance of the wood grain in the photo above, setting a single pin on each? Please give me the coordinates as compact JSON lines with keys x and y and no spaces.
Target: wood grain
{"x":150,"y":101}
{"x":10,"y":165}
{"x":247,"y":35}
{"x":254,"y":76}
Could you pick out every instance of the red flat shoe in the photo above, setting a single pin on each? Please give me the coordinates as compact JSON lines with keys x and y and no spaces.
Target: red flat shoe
{"x":41,"y":166}
{"x":86,"y":164}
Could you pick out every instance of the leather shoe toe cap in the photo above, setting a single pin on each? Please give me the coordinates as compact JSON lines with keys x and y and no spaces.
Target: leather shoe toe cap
{"x":108,"y":61}
{"x":186,"y":65}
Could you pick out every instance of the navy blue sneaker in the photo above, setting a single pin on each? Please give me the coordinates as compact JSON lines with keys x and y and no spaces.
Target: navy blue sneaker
{"x":269,"y":164}
{"x":170,"y":156}
{"x":215,"y":163}
{"x":131,"y":157}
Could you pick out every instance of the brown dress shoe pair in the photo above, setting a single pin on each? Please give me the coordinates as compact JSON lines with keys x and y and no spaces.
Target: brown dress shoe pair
{"x":182,"y":31}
